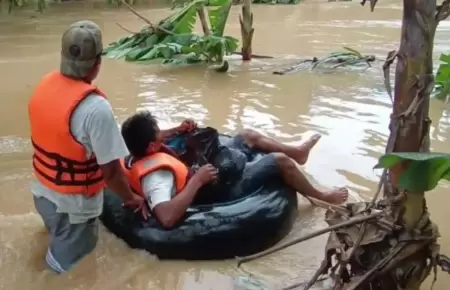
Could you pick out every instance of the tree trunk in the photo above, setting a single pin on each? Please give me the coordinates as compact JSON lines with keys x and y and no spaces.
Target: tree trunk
{"x":247,"y":30}
{"x":413,"y":82}
{"x":399,"y":251}
{"x":203,"y":21}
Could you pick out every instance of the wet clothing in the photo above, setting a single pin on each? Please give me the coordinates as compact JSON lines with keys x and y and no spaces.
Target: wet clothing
{"x":60,"y":162}
{"x":73,"y":120}
{"x":69,"y":242}
{"x":93,"y":124}
{"x":159,"y":186}
{"x":136,"y":170}
{"x":86,"y":125}
{"x":256,"y":172}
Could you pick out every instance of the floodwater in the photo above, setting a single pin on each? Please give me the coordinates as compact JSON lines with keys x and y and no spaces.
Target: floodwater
{"x":351,"y":111}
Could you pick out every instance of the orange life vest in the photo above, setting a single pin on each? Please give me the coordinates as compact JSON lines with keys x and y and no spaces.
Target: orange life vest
{"x":149,"y":164}
{"x":59,"y":160}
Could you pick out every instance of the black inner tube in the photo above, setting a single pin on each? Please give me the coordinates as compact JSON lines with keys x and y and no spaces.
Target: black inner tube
{"x":225,"y":230}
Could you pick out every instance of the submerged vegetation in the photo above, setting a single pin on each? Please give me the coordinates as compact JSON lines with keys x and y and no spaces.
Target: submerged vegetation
{"x":349,"y":58}
{"x":173,"y":40}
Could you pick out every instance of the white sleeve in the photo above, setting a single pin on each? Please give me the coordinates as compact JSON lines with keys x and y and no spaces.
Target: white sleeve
{"x":158,"y":186}
{"x":102,"y":134}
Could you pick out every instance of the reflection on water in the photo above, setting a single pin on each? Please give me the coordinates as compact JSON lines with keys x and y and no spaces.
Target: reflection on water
{"x":350,"y":110}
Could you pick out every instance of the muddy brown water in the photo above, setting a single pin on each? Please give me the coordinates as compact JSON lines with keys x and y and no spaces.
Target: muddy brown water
{"x":351,"y":111}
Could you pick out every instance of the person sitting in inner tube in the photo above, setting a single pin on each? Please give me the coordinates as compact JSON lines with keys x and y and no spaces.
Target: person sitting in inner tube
{"x":154,"y":171}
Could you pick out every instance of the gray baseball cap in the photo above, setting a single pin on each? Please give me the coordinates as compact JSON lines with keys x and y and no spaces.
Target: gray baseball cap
{"x":81,"y":44}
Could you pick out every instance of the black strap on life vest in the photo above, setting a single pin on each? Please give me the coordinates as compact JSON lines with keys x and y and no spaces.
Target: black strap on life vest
{"x":66,"y":166}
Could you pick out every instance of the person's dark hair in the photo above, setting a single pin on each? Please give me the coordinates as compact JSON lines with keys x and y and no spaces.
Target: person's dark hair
{"x":98,"y":59}
{"x":139,"y":131}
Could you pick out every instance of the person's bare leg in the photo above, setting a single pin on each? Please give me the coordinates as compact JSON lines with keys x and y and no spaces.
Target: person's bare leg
{"x":299,"y":153}
{"x":295,"y":178}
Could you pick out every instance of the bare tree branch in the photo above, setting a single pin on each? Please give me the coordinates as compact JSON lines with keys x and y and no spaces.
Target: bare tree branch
{"x":126,"y":29}
{"x":155,"y":27}
{"x":352,"y":221}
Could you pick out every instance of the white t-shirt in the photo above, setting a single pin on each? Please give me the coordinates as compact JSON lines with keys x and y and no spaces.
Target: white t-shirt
{"x":159,"y":187}
{"x":93,"y":124}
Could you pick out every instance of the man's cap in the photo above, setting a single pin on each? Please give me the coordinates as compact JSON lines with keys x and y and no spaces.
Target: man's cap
{"x":81,"y":44}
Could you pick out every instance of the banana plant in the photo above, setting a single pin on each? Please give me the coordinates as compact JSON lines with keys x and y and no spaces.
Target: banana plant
{"x":442,"y":79}
{"x":425,"y":169}
{"x":175,"y":42}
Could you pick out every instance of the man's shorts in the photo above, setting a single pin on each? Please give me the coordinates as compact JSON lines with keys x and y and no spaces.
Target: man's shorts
{"x":69,"y":243}
{"x":256,"y":172}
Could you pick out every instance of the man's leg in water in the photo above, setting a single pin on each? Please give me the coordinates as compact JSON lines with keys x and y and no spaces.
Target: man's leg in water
{"x":275,"y":165}
{"x":295,"y":178}
{"x":255,"y":140}
{"x":279,"y":162}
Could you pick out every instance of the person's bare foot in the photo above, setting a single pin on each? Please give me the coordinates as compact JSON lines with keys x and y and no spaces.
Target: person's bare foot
{"x":336,"y":196}
{"x":304,"y":149}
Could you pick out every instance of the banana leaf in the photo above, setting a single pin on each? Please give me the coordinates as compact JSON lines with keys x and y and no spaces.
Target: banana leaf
{"x":181,"y":45}
{"x":184,"y":21}
{"x":442,"y":79}
{"x":425,"y":169}
{"x":218,"y":16}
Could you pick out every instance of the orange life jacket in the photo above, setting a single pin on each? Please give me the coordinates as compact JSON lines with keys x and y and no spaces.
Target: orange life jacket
{"x":149,"y":164}
{"x":59,"y":160}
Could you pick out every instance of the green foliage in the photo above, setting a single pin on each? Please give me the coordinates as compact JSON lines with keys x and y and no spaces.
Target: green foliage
{"x":273,"y":2}
{"x":442,"y":79}
{"x":218,"y":15}
{"x":181,"y":45}
{"x":181,"y":3}
{"x":424,"y":170}
{"x":349,"y":57}
{"x":184,"y":21}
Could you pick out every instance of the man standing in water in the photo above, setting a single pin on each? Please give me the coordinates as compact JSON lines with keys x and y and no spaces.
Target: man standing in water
{"x":77,"y":147}
{"x":161,"y":177}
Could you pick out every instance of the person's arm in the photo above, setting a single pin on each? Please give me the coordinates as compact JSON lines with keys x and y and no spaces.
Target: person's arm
{"x":169,"y":133}
{"x":186,"y":126}
{"x":108,"y":146}
{"x":159,"y":186}
{"x":116,"y":180}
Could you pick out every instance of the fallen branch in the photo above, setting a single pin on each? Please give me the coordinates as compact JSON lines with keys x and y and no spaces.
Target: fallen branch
{"x":366,"y":59}
{"x":315,"y":278}
{"x":127,"y":30}
{"x":377,"y":267}
{"x":345,"y":261}
{"x":350,"y":222}
{"x":327,"y":205}
{"x":145,"y":19}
